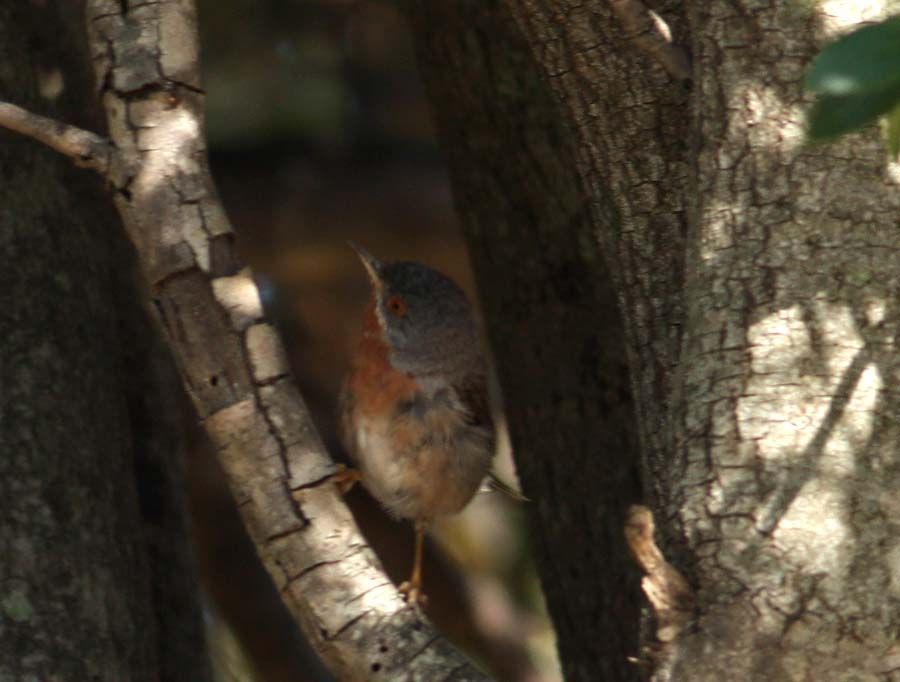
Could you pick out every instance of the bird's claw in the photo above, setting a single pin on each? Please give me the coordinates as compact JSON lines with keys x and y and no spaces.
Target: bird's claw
{"x":412,"y":593}
{"x":345,"y":478}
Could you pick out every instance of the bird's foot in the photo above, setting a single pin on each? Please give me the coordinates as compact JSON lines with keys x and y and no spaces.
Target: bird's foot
{"x":345,"y":478}
{"x":412,"y":593}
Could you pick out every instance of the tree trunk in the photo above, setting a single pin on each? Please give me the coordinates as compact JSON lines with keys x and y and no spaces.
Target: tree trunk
{"x":757,"y":280}
{"x":552,"y":322}
{"x":96,"y":574}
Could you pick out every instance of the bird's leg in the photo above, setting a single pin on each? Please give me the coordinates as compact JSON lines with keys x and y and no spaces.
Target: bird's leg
{"x":412,"y":588}
{"x":345,"y":478}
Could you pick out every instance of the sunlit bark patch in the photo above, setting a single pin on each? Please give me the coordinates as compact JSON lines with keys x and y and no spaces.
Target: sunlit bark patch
{"x":239,"y":295}
{"x":808,"y":406}
{"x":839,"y":16}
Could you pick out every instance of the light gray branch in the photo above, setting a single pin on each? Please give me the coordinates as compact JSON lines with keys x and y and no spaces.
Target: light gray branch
{"x":85,"y":148}
{"x":650,"y":33}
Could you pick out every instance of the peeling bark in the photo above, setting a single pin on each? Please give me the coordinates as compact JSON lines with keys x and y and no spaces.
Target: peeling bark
{"x":666,"y":589}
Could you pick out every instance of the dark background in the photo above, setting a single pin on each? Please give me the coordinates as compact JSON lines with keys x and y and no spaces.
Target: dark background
{"x":320,"y":132}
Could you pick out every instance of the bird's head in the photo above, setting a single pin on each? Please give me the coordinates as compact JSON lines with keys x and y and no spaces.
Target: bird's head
{"x":425,"y":319}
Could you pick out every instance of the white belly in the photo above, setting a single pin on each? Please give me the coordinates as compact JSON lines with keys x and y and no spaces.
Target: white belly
{"x":420,"y":468}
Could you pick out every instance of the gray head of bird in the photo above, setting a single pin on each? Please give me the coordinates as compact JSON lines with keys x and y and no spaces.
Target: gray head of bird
{"x":425,"y":318}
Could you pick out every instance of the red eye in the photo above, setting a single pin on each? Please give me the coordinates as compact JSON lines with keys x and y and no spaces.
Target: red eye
{"x":397,"y":306}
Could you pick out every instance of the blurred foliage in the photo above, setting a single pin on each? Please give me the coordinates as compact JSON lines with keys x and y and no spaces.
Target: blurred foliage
{"x":856,"y":80}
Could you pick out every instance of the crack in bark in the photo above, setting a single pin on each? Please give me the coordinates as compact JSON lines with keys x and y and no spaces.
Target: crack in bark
{"x":322,"y":480}
{"x":419,"y":652}
{"x":309,"y":569}
{"x":286,"y":533}
{"x":362,"y":594}
{"x":346,"y":626}
{"x":297,"y":507}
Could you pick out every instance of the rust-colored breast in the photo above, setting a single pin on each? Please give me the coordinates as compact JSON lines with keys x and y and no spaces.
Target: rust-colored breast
{"x":375,"y":386}
{"x":420,"y":456}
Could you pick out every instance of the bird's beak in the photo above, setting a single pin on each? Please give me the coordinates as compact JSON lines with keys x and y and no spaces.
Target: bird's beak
{"x":372,"y":265}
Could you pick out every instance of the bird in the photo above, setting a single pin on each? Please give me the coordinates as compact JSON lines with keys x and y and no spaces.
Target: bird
{"x":414,"y":408}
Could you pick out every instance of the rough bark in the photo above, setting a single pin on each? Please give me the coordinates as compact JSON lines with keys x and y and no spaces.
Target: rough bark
{"x":552,"y":320}
{"x":97,"y":578}
{"x":787,"y":465}
{"x":632,"y":154}
{"x":757,"y":278}
{"x":231,"y":361}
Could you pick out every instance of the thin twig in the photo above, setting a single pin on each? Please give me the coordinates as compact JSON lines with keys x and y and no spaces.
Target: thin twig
{"x":651,"y":34}
{"x":85,"y":148}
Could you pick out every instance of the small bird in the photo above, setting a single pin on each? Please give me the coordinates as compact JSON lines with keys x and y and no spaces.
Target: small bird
{"x":415,"y":413}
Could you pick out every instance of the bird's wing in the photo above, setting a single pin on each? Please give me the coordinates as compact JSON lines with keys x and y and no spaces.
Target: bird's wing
{"x":472,"y":393}
{"x":345,"y":425}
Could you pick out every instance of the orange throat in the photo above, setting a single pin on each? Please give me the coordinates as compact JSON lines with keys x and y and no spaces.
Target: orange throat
{"x":376,"y":386}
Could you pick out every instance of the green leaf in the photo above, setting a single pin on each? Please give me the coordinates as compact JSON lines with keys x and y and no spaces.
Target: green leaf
{"x":834,"y":115}
{"x":893,"y":132}
{"x":866,"y":60}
